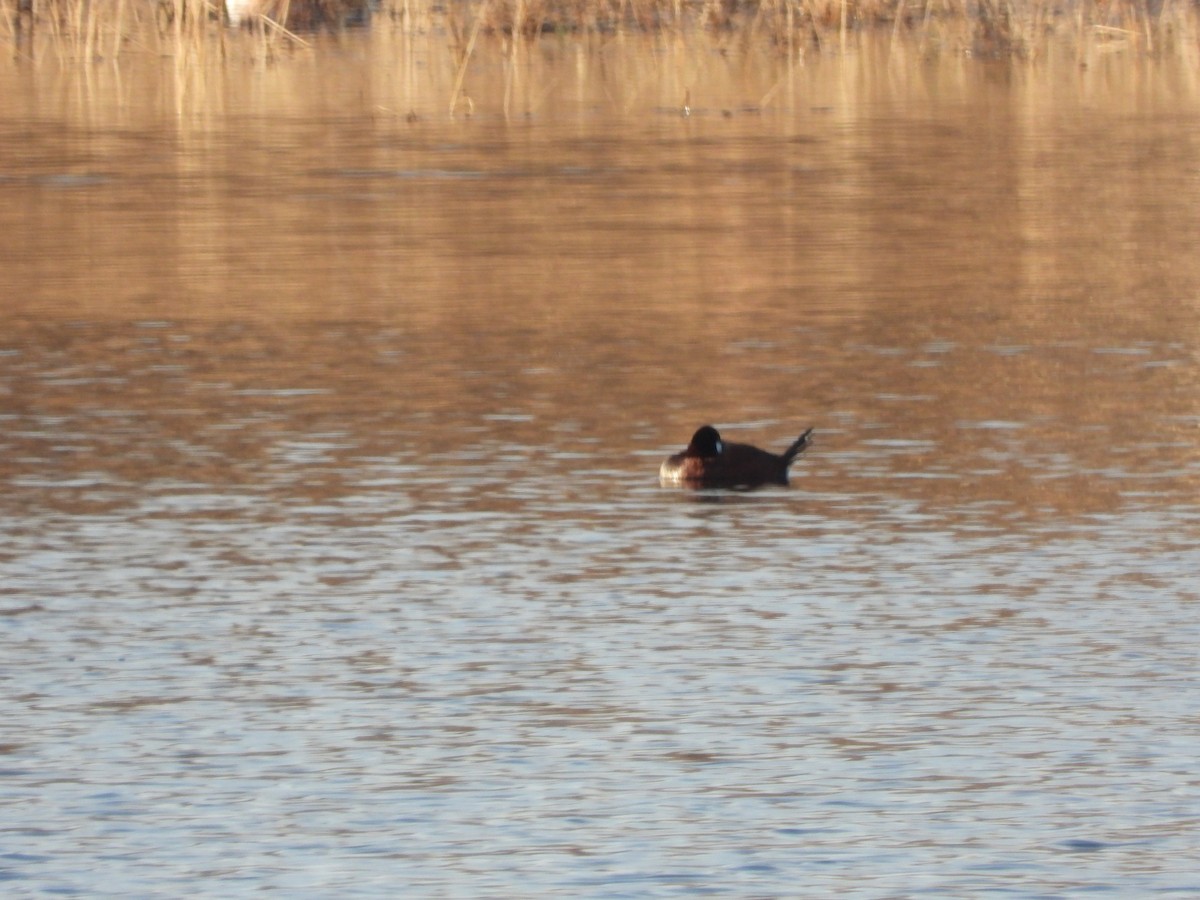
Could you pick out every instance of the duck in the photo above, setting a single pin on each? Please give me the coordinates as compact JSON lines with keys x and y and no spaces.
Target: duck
{"x":711,"y":461}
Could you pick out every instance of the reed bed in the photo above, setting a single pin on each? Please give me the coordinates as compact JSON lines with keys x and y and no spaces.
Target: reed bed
{"x":104,"y":29}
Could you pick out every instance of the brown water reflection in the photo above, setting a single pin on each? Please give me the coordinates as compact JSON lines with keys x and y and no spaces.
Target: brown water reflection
{"x":904,"y":409}
{"x":1008,"y":289}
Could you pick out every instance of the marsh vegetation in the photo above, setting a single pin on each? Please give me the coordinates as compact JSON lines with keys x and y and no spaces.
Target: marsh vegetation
{"x":92,"y":29}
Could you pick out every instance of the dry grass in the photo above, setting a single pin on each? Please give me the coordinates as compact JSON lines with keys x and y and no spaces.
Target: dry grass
{"x":103,"y":29}
{"x":981,"y":27}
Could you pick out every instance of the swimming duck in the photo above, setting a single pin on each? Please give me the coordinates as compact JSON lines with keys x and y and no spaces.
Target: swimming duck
{"x":710,"y":461}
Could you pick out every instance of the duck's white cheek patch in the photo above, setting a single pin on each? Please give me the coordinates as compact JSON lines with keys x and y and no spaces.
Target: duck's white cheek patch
{"x":720,"y":448}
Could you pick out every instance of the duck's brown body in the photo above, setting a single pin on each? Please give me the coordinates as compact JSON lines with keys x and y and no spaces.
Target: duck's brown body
{"x":709,"y":461}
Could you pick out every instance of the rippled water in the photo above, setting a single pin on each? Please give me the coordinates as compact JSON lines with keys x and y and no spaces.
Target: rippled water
{"x":263,"y":638}
{"x":333,"y":558}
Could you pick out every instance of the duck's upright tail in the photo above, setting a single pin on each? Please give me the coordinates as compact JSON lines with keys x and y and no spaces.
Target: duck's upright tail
{"x":802,"y":443}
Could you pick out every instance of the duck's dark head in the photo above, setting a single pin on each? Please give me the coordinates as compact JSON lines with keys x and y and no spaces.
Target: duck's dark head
{"x":706,"y":443}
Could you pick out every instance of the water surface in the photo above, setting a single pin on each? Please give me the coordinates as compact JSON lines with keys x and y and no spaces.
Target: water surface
{"x":333,"y":558}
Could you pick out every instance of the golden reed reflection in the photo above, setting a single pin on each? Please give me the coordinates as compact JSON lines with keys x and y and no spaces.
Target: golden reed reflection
{"x":307,"y":188}
{"x":893,"y":244}
{"x":416,"y":62}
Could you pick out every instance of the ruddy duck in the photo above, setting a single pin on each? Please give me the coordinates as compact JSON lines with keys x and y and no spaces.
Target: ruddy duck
{"x":710,"y":461}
